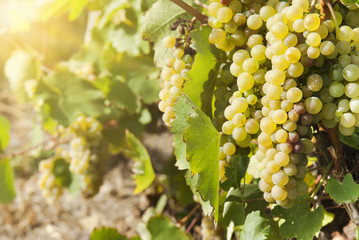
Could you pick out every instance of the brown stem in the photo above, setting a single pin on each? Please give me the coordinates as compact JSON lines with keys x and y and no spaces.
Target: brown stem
{"x":201,"y":17}
{"x":312,"y":5}
{"x":190,"y":214}
{"x":193,"y":223}
{"x":336,"y":151}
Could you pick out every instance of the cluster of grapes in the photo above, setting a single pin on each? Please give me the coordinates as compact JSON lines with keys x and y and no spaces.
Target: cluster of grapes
{"x":277,"y":97}
{"x":47,"y":181}
{"x":174,"y":74}
{"x":84,"y":153}
{"x":208,"y":229}
{"x":87,"y":72}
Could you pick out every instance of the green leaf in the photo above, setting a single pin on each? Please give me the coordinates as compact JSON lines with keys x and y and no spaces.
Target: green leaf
{"x":235,"y":171}
{"x":53,"y":8}
{"x":204,"y":71}
{"x":121,"y":93}
{"x":7,"y":193}
{"x":300,"y":221}
{"x":105,"y":233}
{"x":183,"y":109}
{"x":66,"y":96}
{"x":144,"y":173}
{"x":255,"y":227}
{"x":62,"y":172}
{"x":352,"y":140}
{"x":345,"y":192}
{"x":4,"y":132}
{"x":202,"y":150}
{"x":161,"y":228}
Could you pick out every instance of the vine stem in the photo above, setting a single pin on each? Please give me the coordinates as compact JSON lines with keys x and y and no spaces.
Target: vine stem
{"x":190,"y":214}
{"x":193,"y":223}
{"x":201,"y":17}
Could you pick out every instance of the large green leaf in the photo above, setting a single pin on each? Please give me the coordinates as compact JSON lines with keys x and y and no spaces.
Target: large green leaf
{"x":202,"y":150}
{"x":204,"y":71}
{"x":352,"y":140}
{"x":161,"y":228}
{"x":105,"y":233}
{"x":7,"y":192}
{"x":345,"y":192}
{"x":4,"y":132}
{"x":300,"y":221}
{"x":255,"y":227}
{"x":235,"y":171}
{"x":66,"y":96}
{"x":144,"y":173}
{"x":183,"y":109}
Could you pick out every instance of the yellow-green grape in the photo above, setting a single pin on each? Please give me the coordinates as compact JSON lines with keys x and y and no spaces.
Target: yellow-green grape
{"x":254,"y":22}
{"x":313,"y":105}
{"x":169,"y":42}
{"x":218,"y":36}
{"x":264,"y":139}
{"x":275,"y":76}
{"x":250,"y":65}
{"x":279,"y":30}
{"x":294,"y":12}
{"x":252,"y":126}
{"x":264,"y":186}
{"x":279,"y":193}
{"x":281,"y":136}
{"x":178,"y":53}
{"x":312,"y":21}
{"x":224,"y":14}
{"x":281,"y":158}
{"x":315,"y":82}
{"x":254,"y":40}
{"x":274,"y":91}
{"x":295,"y":69}
{"x":229,"y":148}
{"x":228,"y":127}
{"x":354,"y":105}
{"x":239,"y":57}
{"x":46,"y":181}
{"x":313,"y":39}
{"x":267,"y":125}
{"x":303,"y":4}
{"x":298,"y":26}
{"x":245,"y":81}
{"x":258,"y":53}
{"x":213,"y":8}
{"x":266,"y":12}
{"x":280,"y":178}
{"x":347,"y":120}
{"x":239,"y":134}
{"x":313,"y":52}
{"x":279,"y":116}
{"x":345,"y":33}
{"x":239,"y":119}
{"x":351,"y":72}
{"x":294,"y":94}
{"x":292,"y":54}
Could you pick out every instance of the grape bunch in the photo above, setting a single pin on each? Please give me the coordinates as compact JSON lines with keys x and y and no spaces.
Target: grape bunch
{"x":276,"y":53}
{"x":47,"y":182}
{"x":174,"y":74}
{"x":85,"y":154}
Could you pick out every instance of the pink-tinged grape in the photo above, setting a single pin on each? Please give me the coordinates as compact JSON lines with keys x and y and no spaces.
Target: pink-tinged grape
{"x":279,"y":193}
{"x":280,"y":178}
{"x":281,"y":158}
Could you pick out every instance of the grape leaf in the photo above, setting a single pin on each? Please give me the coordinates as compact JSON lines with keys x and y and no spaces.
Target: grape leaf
{"x":106,"y":233}
{"x":352,"y":140}
{"x":62,"y":172}
{"x":144,"y":173}
{"x":300,"y":221}
{"x":161,"y":228}
{"x":202,"y":151}
{"x":7,"y":193}
{"x":255,"y":227}
{"x":345,"y":192}
{"x":182,"y":109}
{"x":235,"y":171}
{"x":4,"y":132}
{"x":204,"y":71}
{"x":77,"y":6}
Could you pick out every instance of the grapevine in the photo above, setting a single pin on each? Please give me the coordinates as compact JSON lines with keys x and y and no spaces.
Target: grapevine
{"x":261,"y":98}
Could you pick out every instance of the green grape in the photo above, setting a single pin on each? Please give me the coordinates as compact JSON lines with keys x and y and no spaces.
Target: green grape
{"x":343,"y":47}
{"x":298,"y":26}
{"x":351,"y":72}
{"x":336,"y":72}
{"x":224,"y":14}
{"x":328,"y":111}
{"x":344,"y":60}
{"x":354,"y":105}
{"x":281,"y":159}
{"x":245,"y":81}
{"x":292,"y":54}
{"x":346,"y":131}
{"x":351,"y":90}
{"x":345,"y":33}
{"x":315,"y":82}
{"x":254,"y":22}
{"x":250,"y":65}
{"x":312,"y":21}
{"x":279,"y":30}
{"x":218,"y":36}
{"x":280,"y":178}
{"x":279,"y":193}
{"x":213,"y":8}
{"x":313,"y":39}
{"x":295,"y":69}
{"x":313,"y":105}
{"x":336,"y":89}
{"x":266,"y":12}
{"x":229,"y":148}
